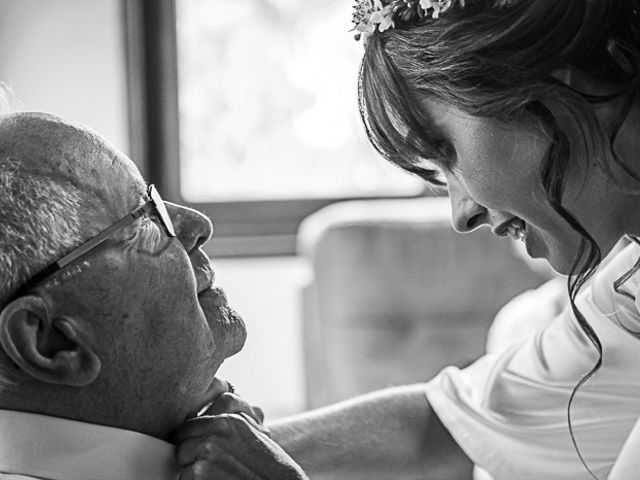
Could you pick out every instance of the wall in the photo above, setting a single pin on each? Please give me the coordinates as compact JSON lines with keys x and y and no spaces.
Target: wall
{"x":67,"y":57}
{"x":266,"y":292}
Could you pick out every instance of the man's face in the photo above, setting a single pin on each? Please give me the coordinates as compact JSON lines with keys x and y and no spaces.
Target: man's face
{"x":160,"y":328}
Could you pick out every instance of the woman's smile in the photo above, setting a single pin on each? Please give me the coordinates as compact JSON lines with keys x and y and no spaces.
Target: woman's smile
{"x":493,"y":178}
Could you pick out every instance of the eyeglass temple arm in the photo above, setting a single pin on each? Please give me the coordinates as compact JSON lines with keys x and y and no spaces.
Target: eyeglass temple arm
{"x":89,"y":245}
{"x":104,"y":235}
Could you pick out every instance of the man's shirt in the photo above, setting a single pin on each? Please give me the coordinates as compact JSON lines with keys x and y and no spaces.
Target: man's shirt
{"x":42,"y":447}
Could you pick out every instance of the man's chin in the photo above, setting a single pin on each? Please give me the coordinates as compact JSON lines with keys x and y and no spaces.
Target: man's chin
{"x":235,"y":340}
{"x":227,"y":326}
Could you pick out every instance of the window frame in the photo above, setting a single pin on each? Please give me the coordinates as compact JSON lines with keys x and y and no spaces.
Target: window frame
{"x":242,"y":228}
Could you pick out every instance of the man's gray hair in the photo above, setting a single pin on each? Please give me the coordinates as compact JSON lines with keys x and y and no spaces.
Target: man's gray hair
{"x":39,"y":215}
{"x":40,"y":222}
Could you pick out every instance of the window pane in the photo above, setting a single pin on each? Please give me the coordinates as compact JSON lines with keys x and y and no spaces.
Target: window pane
{"x":268,"y":107}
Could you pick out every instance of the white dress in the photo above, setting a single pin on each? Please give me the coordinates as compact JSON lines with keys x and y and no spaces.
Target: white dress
{"x":627,"y":466}
{"x":508,"y":411}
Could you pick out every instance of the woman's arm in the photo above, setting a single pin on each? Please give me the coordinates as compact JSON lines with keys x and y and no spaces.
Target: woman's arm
{"x":392,"y":433}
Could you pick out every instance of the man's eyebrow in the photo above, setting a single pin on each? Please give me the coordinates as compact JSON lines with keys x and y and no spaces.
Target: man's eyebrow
{"x":138,"y":193}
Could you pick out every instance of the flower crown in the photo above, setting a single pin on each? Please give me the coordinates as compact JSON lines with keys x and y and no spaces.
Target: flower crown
{"x":372,"y":15}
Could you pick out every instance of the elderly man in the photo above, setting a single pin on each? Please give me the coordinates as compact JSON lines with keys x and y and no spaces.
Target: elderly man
{"x":111,"y":330}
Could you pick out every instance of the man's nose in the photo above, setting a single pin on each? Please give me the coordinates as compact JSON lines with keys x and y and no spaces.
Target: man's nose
{"x":466,"y":214}
{"x":193,"y":229}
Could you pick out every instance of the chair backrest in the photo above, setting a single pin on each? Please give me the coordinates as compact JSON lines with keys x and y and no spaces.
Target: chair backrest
{"x":395,"y":294}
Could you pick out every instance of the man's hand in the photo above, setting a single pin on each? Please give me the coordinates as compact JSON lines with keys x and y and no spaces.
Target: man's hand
{"x":230,"y":446}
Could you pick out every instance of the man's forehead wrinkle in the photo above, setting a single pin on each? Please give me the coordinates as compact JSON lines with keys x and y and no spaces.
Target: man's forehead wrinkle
{"x":101,"y":193}
{"x":55,"y":144}
{"x":72,"y":153}
{"x":61,"y":173}
{"x":138,"y":187}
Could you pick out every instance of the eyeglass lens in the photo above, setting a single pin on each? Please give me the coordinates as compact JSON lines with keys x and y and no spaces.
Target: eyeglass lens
{"x":165,"y":218}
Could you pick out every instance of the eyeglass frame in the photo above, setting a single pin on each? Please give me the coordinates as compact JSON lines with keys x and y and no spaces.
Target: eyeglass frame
{"x":155,"y":204}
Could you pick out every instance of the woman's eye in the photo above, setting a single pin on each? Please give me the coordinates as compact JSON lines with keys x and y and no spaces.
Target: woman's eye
{"x":431,"y":171}
{"x":447,"y":153}
{"x":431,"y":175}
{"x":440,"y":178}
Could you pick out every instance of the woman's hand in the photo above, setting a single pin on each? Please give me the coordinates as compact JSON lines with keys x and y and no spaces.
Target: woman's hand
{"x":225,"y":400}
{"x":230,"y":446}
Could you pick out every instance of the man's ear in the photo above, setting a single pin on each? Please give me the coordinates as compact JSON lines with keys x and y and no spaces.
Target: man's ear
{"x":50,"y":349}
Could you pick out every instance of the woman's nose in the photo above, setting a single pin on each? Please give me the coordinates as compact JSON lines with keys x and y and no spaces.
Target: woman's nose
{"x":193,"y":229}
{"x":466,"y":214}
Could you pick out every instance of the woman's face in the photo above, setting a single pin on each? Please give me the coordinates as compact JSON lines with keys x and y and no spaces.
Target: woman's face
{"x":493,"y":179}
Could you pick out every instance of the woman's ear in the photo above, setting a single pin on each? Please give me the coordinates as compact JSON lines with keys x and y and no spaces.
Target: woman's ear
{"x":582,"y":81}
{"x":563,"y":75}
{"x":607,"y":112}
{"x":49,"y":349}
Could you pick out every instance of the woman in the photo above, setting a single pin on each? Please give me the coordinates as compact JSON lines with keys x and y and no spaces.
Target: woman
{"x":527,"y":111}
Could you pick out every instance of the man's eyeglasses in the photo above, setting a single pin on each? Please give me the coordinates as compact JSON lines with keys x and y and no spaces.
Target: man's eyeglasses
{"x":155,"y":205}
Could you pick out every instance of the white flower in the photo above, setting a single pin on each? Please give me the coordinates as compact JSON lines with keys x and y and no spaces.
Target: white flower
{"x":370,"y":15}
{"x":437,"y":6}
{"x":383,"y":18}
{"x":366,"y":27}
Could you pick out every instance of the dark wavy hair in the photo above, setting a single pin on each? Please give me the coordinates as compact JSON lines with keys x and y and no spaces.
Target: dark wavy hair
{"x":497,"y":59}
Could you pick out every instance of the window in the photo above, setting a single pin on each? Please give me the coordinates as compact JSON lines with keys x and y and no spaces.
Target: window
{"x":247,"y":110}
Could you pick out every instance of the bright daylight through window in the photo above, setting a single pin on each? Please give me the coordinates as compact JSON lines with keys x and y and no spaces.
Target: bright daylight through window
{"x":268,"y":110}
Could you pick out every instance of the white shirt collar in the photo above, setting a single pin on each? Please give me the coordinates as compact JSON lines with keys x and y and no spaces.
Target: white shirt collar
{"x":57,"y":448}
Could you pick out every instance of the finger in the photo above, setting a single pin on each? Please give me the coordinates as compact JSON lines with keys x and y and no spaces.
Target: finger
{"x":187,"y":473}
{"x":222,"y":425}
{"x":187,"y":452}
{"x":200,"y":470}
{"x":227,"y":403}
{"x":225,"y":468}
{"x":258,"y":426}
{"x":211,"y":446}
{"x":232,"y":403}
{"x":218,"y":387}
{"x":259,"y":414}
